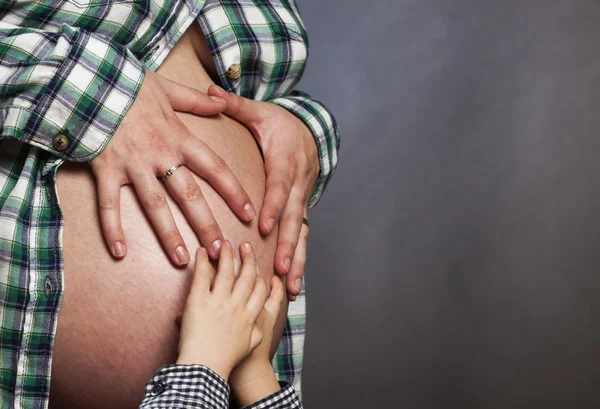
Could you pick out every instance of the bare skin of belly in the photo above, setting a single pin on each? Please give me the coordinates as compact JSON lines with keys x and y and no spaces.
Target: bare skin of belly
{"x":117,"y":325}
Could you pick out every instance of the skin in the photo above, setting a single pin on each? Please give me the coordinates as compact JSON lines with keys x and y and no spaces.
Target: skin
{"x":117,"y":322}
{"x":228,"y":323}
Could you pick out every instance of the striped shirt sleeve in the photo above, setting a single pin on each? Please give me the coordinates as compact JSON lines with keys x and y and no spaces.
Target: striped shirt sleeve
{"x":66,"y":91}
{"x":324,"y":129}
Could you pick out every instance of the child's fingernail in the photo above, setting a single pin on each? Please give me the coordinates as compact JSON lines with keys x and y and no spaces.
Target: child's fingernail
{"x":218,"y":99}
{"x":286,"y":265}
{"x":247,"y":246}
{"x":182,"y":255}
{"x":270,"y":224}
{"x":249,"y":209}
{"x":119,"y":249}
{"x":298,"y":285}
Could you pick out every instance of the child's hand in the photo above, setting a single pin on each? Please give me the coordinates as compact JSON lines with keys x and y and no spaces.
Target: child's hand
{"x":218,"y":326}
{"x":254,"y":379}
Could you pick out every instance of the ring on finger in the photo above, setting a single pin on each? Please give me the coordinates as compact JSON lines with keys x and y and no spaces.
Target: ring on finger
{"x":169,"y":172}
{"x":305,"y":221}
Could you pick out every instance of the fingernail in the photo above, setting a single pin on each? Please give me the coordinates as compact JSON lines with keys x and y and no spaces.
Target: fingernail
{"x":270,"y":224}
{"x":286,"y":264}
{"x":291,"y":297}
{"x":182,"y":255}
{"x":216,"y":246}
{"x":218,"y":99}
{"x":247,"y":246}
{"x":249,"y":209}
{"x":298,"y":285}
{"x":119,"y":249}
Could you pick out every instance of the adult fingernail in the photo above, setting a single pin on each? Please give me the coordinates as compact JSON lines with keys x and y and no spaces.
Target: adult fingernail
{"x":298,"y":285}
{"x":182,"y":255}
{"x":218,"y":99}
{"x":216,"y":246}
{"x":286,"y":264}
{"x":249,"y":209}
{"x":270,"y":224}
{"x":247,"y":246}
{"x":119,"y":249}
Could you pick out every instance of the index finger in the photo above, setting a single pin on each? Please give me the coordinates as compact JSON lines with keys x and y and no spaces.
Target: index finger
{"x":203,"y":273}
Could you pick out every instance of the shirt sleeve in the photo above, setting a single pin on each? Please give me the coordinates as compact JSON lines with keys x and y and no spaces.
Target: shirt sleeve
{"x":324,"y":129}
{"x":286,"y":398}
{"x":184,"y":387}
{"x":65,"y":91}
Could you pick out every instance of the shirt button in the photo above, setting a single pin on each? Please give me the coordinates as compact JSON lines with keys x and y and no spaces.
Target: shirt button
{"x":158,"y":388}
{"x":234,"y":71}
{"x":60,"y":142}
{"x":48,"y":286}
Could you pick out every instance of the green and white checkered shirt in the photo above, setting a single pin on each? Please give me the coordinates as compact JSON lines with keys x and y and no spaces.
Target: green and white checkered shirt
{"x":73,"y":68}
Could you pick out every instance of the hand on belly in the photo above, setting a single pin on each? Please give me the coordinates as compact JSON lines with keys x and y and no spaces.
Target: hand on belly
{"x":117,"y":321}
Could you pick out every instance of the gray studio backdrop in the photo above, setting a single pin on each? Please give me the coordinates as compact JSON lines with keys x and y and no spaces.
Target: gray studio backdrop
{"x":455,"y":257}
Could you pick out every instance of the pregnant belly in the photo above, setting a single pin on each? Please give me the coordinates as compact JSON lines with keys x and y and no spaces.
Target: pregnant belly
{"x":117,"y":325}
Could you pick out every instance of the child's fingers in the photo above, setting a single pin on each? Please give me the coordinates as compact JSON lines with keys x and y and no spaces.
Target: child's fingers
{"x":225,"y":275}
{"x":245,"y":283}
{"x":203,"y":273}
{"x":258,"y":297}
{"x":273,"y":304}
{"x":256,"y":338}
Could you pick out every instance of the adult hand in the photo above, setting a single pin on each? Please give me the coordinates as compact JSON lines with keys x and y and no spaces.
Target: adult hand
{"x":149,"y":141}
{"x":292,"y":167}
{"x":218,"y":328}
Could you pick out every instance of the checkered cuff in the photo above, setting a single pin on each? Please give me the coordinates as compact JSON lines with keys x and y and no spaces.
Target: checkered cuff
{"x":286,"y":398}
{"x":185,"y":387}
{"x":69,"y":90}
{"x":324,"y":128}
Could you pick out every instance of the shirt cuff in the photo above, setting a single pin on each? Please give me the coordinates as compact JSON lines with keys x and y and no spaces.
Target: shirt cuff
{"x":285,"y":398}
{"x":83,"y":92}
{"x":184,"y":387}
{"x":324,"y":129}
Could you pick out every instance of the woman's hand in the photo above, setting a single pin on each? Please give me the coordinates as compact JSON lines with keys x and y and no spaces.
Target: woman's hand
{"x":292,"y":167}
{"x":218,"y":328}
{"x":253,"y":379}
{"x":149,"y":141}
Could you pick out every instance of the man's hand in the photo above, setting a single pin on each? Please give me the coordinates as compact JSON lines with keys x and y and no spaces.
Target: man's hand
{"x":218,"y":328}
{"x":292,"y":167}
{"x":149,"y":141}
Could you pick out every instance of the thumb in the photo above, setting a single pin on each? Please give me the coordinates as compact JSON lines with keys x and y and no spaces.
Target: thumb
{"x":186,"y":99}
{"x":247,"y":111}
{"x":256,"y":338}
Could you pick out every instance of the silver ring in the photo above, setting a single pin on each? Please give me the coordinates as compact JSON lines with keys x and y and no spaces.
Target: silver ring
{"x":169,"y":172}
{"x":305,"y":221}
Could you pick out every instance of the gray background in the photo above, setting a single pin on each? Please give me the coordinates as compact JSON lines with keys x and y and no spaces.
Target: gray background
{"x":454,"y":259}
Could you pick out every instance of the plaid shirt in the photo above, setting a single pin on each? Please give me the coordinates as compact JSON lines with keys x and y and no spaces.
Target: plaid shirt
{"x":196,"y":386}
{"x":69,"y":70}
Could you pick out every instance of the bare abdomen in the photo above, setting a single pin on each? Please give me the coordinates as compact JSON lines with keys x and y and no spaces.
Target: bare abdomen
{"x":117,"y":326}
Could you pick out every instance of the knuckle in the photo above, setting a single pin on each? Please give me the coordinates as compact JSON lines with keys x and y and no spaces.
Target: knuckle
{"x":107,"y":202}
{"x":281,"y":186}
{"x":211,"y":229}
{"x":171,"y":236}
{"x":218,"y":165}
{"x":155,"y":200}
{"x":192,"y":192}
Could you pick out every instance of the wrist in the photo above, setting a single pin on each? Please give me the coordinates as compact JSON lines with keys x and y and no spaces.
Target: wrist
{"x":220,"y":368}
{"x":254,"y":386}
